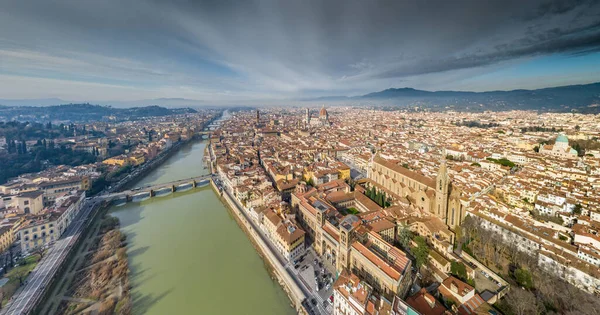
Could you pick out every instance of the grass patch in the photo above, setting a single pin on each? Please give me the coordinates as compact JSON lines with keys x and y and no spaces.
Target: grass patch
{"x":352,"y":210}
{"x":18,"y":274}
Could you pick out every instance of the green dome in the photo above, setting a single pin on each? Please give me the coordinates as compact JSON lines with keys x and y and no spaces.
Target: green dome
{"x":562,"y":138}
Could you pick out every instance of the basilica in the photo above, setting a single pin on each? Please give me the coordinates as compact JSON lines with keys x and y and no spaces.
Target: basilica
{"x":436,"y":196}
{"x":322,"y":121}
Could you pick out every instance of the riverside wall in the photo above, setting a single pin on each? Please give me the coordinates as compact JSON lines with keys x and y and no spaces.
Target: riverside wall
{"x":278,"y":270}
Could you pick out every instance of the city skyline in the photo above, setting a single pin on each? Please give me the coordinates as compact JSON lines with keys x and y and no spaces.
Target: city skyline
{"x":253,"y":51}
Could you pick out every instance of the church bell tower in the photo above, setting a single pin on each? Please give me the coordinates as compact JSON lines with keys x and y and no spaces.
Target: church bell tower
{"x":442,"y":191}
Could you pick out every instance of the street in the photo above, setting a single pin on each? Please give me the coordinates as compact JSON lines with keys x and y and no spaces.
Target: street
{"x":29,"y":295}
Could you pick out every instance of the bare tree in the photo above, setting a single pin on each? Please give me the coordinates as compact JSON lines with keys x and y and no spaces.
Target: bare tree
{"x":522,"y":302}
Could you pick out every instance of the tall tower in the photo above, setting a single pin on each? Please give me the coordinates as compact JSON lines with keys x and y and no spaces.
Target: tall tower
{"x":442,"y":191}
{"x":307,"y":119}
{"x":257,"y":116}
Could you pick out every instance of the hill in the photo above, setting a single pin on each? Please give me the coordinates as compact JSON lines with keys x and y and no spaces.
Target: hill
{"x":84,"y":112}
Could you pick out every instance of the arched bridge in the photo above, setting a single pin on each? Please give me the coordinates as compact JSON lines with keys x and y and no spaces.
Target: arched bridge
{"x":158,"y":190}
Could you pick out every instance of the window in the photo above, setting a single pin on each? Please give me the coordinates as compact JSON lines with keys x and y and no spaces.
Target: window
{"x":26,"y":202}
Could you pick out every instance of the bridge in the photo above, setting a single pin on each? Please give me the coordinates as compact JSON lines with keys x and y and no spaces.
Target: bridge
{"x":157,"y":190}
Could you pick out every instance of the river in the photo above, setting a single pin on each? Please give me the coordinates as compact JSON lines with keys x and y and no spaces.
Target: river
{"x":187,"y":255}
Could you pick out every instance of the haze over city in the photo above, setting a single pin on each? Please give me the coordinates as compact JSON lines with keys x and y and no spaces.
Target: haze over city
{"x":244,"y":51}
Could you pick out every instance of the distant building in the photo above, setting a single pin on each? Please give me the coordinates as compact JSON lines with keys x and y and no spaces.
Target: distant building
{"x":560,"y":148}
{"x":323,"y":120}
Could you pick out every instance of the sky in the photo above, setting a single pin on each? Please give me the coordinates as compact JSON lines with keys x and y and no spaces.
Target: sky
{"x":229,"y":51}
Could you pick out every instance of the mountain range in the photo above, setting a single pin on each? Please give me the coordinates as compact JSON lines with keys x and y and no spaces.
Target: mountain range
{"x":583,"y":98}
{"x":579,"y":98}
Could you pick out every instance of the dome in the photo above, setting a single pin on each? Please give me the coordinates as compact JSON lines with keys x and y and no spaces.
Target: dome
{"x":323,"y":112}
{"x":562,"y":139}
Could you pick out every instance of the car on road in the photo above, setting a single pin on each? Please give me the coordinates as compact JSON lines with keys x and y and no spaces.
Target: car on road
{"x":313,"y":301}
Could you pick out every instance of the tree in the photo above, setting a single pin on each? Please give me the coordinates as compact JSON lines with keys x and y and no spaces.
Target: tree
{"x":522,"y":302}
{"x":39,"y":251}
{"x":459,"y":270}
{"x":577,"y":209}
{"x":421,"y":251}
{"x":523,"y":277}
{"x":21,"y":274}
{"x":404,"y":236}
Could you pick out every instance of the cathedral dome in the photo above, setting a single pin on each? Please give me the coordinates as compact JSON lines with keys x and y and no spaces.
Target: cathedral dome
{"x":323,"y":112}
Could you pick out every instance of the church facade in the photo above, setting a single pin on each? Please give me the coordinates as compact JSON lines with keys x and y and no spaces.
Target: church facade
{"x":437,"y":196}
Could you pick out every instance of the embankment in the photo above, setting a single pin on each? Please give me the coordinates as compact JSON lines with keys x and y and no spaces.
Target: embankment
{"x":275,"y":267}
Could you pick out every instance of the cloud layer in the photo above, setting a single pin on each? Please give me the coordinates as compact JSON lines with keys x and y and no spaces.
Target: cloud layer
{"x":260,"y":49}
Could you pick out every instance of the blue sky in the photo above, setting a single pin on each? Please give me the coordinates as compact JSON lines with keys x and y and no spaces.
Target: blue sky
{"x":237,"y":51}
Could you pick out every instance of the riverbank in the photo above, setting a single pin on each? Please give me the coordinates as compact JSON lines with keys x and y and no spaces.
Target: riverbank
{"x":275,"y":268}
{"x":187,"y":254}
{"x":96,"y":277}
{"x":101,"y":281}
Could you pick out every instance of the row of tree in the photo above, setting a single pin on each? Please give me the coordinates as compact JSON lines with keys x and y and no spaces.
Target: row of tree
{"x":534,"y":290}
{"x":540,"y":129}
{"x":16,"y":147}
{"x":378,"y":196}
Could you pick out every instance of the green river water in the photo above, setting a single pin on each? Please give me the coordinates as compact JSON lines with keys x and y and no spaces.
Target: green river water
{"x":187,"y":255}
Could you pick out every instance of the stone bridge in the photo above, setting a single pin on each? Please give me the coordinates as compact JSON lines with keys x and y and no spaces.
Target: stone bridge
{"x":139,"y":194}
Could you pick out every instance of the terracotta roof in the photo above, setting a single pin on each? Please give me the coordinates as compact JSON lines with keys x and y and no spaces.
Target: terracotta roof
{"x":376,"y":260}
{"x":425,"y":303}
{"x":405,"y":172}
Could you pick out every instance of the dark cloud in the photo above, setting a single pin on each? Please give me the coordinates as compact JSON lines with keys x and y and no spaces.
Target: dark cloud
{"x":261,"y":47}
